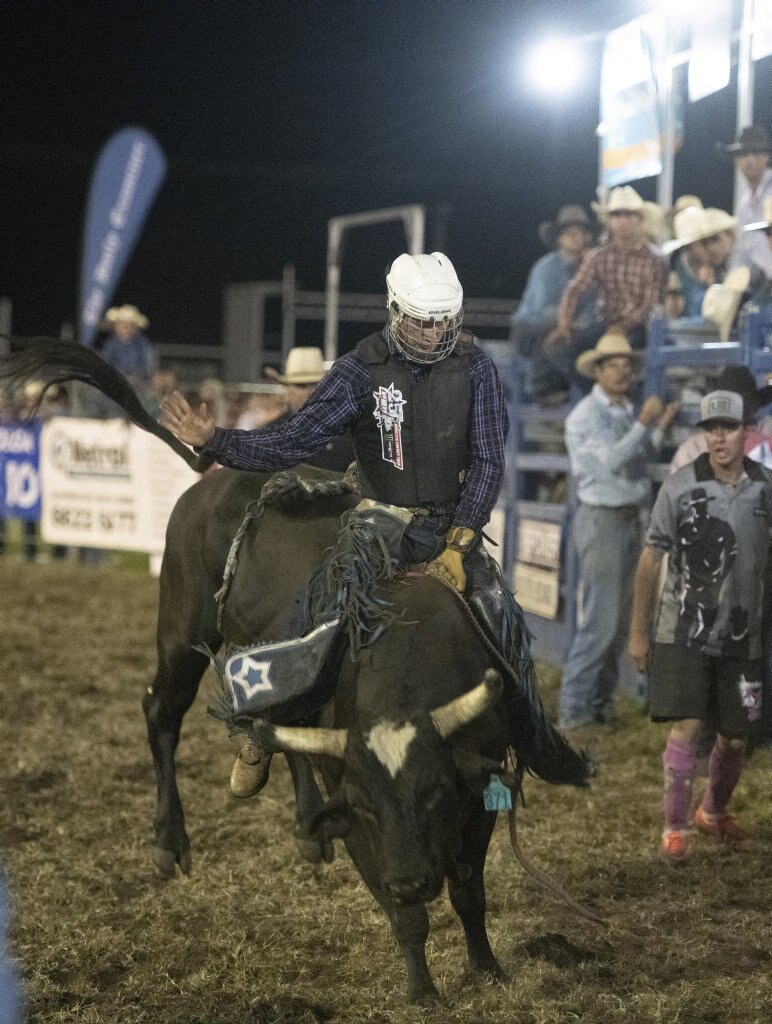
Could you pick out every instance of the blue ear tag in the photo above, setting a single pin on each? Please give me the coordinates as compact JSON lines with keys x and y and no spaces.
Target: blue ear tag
{"x":497,"y":796}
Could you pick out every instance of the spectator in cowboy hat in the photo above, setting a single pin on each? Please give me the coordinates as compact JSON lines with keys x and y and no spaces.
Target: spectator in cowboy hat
{"x":751,"y":152}
{"x":704,"y":241}
{"x":629,"y":275}
{"x":128,"y":349}
{"x":568,"y":237}
{"x":609,"y":449}
{"x":302,"y":372}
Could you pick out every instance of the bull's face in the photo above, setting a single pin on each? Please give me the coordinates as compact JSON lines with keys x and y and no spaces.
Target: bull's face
{"x":398,"y":791}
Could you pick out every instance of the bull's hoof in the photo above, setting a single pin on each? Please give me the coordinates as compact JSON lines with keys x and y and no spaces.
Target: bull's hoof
{"x":314,"y":850}
{"x":474,"y":973}
{"x":166,"y":862}
{"x":424,"y":997}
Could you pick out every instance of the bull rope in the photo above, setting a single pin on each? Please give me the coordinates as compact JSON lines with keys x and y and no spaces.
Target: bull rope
{"x":278,"y":486}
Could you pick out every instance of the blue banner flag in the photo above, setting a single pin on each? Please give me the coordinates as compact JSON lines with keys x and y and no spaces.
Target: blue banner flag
{"x":126,"y":178}
{"x":20,"y":470}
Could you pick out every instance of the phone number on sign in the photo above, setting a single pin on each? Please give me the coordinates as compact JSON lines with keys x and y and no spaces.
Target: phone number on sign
{"x":86,"y":519}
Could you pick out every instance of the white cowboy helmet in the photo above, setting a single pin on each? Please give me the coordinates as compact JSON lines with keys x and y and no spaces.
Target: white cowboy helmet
{"x":424,"y":291}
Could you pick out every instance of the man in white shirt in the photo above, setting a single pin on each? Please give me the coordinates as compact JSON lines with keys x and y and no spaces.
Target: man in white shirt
{"x":609,"y":450}
{"x":751,"y":153}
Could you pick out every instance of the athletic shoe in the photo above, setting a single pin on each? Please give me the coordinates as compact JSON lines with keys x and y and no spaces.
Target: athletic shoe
{"x":673,"y":849}
{"x":722,"y":827}
{"x":250,"y":770}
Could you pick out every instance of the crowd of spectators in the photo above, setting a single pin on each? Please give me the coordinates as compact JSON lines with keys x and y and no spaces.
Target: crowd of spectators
{"x":713,"y":636}
{"x":645,"y":261}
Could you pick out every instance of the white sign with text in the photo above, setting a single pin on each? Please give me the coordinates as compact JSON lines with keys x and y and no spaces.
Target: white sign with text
{"x":108,"y":484}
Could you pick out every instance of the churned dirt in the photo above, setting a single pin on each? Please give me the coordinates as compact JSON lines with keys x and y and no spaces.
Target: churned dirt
{"x":257,"y":936}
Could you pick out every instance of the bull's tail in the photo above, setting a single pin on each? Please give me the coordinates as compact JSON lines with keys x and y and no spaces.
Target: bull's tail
{"x":52,"y":361}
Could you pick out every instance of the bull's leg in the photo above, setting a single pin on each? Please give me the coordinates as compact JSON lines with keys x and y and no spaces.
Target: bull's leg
{"x":173,"y":691}
{"x":308,"y":803}
{"x":468,"y":898}
{"x":410,"y":924}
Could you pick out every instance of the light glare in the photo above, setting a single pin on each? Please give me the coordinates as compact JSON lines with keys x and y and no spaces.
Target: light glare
{"x":554,"y":66}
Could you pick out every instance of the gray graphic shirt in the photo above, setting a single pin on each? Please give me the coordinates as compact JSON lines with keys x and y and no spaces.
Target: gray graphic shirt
{"x":717,"y":537}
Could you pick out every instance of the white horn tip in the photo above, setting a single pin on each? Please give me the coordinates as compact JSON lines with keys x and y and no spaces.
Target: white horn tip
{"x":493,"y":681}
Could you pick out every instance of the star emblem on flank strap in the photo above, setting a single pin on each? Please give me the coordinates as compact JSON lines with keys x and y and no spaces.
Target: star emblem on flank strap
{"x":253,"y":677}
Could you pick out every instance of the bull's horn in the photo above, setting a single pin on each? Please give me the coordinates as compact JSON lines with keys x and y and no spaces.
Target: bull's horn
{"x":311,"y":741}
{"x":468,"y":706}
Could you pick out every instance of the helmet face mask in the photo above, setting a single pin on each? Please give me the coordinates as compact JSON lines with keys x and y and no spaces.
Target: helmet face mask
{"x":425,"y":306}
{"x":423,"y":341}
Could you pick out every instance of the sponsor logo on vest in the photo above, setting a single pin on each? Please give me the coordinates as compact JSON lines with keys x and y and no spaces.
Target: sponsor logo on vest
{"x":389,"y":416}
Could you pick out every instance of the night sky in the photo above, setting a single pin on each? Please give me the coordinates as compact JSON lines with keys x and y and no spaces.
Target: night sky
{"x":275,"y":116}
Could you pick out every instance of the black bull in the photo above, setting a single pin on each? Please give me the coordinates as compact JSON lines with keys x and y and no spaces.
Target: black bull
{"x":408,"y":740}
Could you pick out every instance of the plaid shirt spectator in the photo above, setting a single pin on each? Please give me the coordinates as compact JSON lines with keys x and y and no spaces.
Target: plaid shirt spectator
{"x":630,"y":283}
{"x":343,"y":396}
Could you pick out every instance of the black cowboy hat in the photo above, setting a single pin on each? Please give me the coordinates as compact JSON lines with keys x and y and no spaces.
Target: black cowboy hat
{"x":568,"y":217}
{"x":753,"y":139}
{"x":740,"y":380}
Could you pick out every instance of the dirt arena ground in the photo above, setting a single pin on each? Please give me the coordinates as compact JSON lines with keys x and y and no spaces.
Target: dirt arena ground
{"x":255,"y":935}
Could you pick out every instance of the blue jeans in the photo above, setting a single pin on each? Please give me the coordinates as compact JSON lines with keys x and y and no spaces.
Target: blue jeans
{"x":608,"y":543}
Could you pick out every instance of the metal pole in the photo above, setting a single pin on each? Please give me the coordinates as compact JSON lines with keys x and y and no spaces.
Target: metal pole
{"x":333,"y":290}
{"x":667,"y":113}
{"x":744,"y":84}
{"x":287,"y":311}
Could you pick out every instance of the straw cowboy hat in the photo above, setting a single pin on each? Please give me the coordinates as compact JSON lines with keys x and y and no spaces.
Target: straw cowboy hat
{"x":684,"y":202}
{"x":128,"y":315}
{"x":570,"y":216}
{"x":693,"y":224}
{"x":623,"y":198}
{"x":766,"y":213}
{"x":753,"y":139}
{"x":305,"y":365}
{"x":608,"y":347}
{"x":722,"y":301}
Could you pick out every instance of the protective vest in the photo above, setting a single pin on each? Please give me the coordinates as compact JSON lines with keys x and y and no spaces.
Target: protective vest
{"x":411,"y":443}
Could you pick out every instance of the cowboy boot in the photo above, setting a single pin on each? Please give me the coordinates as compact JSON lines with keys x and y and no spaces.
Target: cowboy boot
{"x":250,"y":769}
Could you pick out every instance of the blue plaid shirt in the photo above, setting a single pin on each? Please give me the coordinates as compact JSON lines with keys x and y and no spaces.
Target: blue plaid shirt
{"x":339,"y":401}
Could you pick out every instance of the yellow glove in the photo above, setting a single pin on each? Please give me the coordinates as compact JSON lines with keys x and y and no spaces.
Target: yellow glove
{"x":449,"y":564}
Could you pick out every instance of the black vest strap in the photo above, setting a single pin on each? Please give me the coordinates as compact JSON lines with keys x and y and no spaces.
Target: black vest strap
{"x":412,"y":442}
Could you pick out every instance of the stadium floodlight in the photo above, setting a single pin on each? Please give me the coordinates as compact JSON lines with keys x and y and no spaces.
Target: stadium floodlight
{"x":555,"y":65}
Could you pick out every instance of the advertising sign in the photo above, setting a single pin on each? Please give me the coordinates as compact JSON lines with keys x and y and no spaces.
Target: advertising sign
{"x":126,"y":178}
{"x":19,"y":471}
{"x":537,"y":590}
{"x":108,"y":484}
{"x":628,"y":108}
{"x":539,"y":543}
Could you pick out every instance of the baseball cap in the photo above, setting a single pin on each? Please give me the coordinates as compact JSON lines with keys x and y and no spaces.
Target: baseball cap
{"x":721,"y":405}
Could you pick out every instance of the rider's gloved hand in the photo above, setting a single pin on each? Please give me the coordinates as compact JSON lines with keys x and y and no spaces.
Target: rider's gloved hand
{"x":449,"y":564}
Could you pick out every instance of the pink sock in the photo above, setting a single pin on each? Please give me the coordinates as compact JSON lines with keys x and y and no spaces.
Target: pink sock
{"x":678,"y":762}
{"x":724,"y":768}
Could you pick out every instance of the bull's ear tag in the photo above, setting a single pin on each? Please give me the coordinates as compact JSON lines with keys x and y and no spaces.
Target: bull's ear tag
{"x":497,"y":796}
